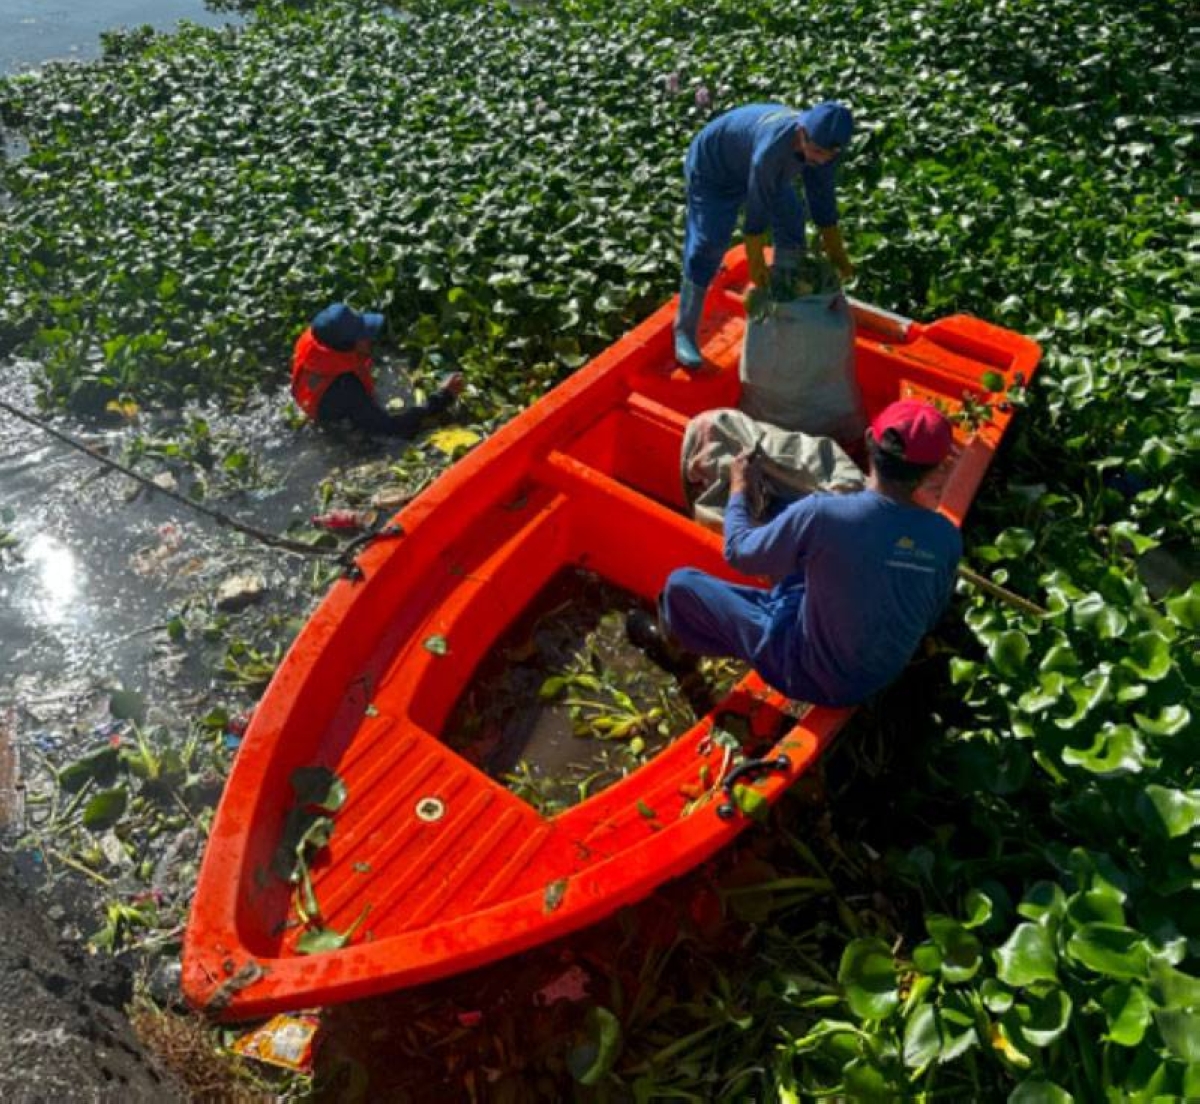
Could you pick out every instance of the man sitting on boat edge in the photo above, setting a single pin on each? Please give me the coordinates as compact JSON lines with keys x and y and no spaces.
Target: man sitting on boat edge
{"x":332,"y":379}
{"x":859,"y":578}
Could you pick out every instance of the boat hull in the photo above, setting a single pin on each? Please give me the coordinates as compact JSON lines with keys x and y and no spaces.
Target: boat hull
{"x":452,"y":869}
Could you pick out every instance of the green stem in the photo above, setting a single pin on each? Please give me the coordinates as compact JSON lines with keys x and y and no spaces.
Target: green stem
{"x":78,"y":867}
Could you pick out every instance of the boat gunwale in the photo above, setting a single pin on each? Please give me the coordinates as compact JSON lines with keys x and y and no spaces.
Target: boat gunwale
{"x":516,"y":450}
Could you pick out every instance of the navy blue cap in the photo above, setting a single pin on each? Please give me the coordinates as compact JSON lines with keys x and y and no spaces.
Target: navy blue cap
{"x":341,"y":327}
{"x":829,"y":124}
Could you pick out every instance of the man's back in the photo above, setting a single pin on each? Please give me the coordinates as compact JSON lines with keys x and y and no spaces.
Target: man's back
{"x":861,"y":578}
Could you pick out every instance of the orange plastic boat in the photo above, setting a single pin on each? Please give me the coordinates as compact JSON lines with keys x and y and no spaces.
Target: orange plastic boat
{"x":456,"y":869}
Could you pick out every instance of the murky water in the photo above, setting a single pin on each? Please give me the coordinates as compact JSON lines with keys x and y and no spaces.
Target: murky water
{"x":96,"y":565}
{"x":33,"y":32}
{"x":94,"y":569}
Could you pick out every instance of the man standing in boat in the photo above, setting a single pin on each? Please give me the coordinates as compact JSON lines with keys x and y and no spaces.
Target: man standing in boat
{"x":749,"y":158}
{"x":859,"y":578}
{"x":332,"y":379}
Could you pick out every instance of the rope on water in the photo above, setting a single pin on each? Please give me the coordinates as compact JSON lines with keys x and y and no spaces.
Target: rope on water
{"x":344,"y":556}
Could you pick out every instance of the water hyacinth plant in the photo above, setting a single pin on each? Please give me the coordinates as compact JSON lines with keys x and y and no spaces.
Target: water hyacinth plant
{"x":1018,"y":917}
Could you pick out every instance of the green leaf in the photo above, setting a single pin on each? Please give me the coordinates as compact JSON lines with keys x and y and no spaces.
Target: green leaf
{"x":978,"y":908}
{"x":1093,"y":614}
{"x":868,"y":975}
{"x":865,"y":1081}
{"x":1149,"y":656}
{"x":552,"y":687}
{"x":1045,"y":695}
{"x":1026,"y":957}
{"x":105,"y":809}
{"x":961,"y":950}
{"x":100,"y":766}
{"x":1184,"y":610}
{"x":1110,"y":950}
{"x":1015,"y":544}
{"x":996,"y":997}
{"x":319,"y":787}
{"x":1171,"y":988}
{"x":1045,"y":1016}
{"x":1127,"y":1007}
{"x":591,"y":1059}
{"x":1009,"y":652}
{"x":957,"y":1019}
{"x":1118,"y":749}
{"x":1043,"y":900}
{"x":127,"y":705}
{"x":751,"y":802}
{"x":922,"y":1038}
{"x":319,"y":940}
{"x":1060,"y":657}
{"x":1171,"y":720}
{"x":437,"y":645}
{"x":1180,"y":1029}
{"x":1037,"y":1090}
{"x":927,"y":958}
{"x":1171,"y":812}
{"x":1090,"y":692}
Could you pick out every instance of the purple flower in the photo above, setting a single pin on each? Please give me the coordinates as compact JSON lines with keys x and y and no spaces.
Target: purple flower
{"x":703,"y":96}
{"x":672,"y":83}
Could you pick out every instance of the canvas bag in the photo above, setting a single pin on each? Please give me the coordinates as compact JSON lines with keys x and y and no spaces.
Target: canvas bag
{"x":795,"y":464}
{"x":797,"y":366}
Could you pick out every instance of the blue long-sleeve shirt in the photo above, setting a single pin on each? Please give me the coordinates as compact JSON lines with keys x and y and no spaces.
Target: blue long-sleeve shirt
{"x":747,"y":155}
{"x":859,"y":580}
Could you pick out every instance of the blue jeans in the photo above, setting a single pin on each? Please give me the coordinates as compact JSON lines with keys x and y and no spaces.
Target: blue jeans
{"x":711,"y":221}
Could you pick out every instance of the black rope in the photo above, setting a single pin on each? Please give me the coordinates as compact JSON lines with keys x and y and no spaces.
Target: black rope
{"x":344,"y":556}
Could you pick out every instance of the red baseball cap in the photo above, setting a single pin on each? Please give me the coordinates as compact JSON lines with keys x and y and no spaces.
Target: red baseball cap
{"x":923,"y":430}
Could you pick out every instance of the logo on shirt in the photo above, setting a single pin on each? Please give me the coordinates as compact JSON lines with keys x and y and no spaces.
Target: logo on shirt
{"x":909,"y":556}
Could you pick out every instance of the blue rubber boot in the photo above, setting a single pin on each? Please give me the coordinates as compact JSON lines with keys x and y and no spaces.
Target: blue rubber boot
{"x":687,"y":324}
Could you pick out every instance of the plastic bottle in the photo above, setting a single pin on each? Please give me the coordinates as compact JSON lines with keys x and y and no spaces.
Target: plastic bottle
{"x":344,"y":520}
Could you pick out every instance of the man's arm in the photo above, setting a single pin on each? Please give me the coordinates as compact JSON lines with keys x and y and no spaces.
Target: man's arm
{"x":775,"y":549}
{"x":821,"y":192}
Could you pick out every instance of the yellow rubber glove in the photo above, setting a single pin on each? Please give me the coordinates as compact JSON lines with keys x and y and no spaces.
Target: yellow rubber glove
{"x":759,"y":273}
{"x":835,"y":250}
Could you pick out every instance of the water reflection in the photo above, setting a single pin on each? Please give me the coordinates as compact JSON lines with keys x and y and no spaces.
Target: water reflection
{"x":56,"y":579}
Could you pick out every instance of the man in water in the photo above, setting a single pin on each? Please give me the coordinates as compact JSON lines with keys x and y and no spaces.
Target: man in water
{"x":332,"y":379}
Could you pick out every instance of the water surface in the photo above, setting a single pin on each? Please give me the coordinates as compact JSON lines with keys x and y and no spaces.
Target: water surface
{"x":33,"y":32}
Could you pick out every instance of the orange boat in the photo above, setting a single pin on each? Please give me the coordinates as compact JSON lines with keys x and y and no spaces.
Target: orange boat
{"x":432,"y":865}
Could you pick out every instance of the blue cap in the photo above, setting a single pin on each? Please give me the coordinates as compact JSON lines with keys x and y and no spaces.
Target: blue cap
{"x":829,"y":124}
{"x":341,"y":327}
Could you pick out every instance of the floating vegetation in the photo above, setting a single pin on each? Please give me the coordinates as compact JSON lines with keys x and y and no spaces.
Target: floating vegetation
{"x":1013,"y":904}
{"x":566,"y":705}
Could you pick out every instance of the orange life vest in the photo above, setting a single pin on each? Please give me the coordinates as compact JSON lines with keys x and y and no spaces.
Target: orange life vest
{"x":316,"y":366}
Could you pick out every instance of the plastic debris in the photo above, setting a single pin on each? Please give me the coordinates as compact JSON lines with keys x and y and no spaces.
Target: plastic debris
{"x":571,"y":985}
{"x":239,"y":591}
{"x":391,"y":498}
{"x":344,"y":520}
{"x":238,"y":723}
{"x":284,"y":1040}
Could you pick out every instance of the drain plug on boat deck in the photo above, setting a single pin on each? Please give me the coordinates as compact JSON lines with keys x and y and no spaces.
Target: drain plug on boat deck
{"x":430,"y":809}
